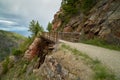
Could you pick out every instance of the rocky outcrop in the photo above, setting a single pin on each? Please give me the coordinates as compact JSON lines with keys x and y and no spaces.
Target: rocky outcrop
{"x":33,"y":49}
{"x":56,"y":22}
{"x":40,"y":47}
{"x":103,"y":21}
{"x":61,"y":66}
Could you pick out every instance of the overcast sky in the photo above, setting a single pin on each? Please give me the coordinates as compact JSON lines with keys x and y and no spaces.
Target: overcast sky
{"x":15,"y":15}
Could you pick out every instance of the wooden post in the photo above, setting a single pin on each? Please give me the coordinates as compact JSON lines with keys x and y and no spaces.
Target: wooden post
{"x":56,"y":36}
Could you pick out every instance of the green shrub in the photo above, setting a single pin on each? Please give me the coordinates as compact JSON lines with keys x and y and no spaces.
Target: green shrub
{"x":23,"y":47}
{"x":86,"y":5}
{"x":69,"y":6}
{"x":102,"y":43}
{"x":16,"y":52}
{"x":24,"y":68}
{"x":74,"y":6}
{"x":5,"y":65}
{"x":70,"y":9}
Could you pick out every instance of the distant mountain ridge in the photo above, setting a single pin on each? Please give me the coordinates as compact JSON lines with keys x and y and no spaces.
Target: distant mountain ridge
{"x":8,"y":41}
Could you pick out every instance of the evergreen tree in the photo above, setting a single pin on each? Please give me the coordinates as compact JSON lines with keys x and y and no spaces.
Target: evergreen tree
{"x":34,"y":28}
{"x":73,"y":6}
{"x":49,"y":27}
{"x":69,"y":6}
{"x":86,"y":5}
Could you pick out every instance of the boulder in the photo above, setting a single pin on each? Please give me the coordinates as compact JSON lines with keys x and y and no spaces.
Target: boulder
{"x":67,"y":29}
{"x":33,"y":49}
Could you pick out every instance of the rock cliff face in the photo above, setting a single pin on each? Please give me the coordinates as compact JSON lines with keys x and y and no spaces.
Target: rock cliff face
{"x":61,"y":66}
{"x":33,"y":49}
{"x":102,"y":20}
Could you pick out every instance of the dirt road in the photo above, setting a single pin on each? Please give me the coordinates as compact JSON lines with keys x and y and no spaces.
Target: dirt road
{"x":110,"y":58}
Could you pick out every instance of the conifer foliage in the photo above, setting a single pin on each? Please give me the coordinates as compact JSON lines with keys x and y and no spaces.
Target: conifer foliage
{"x":49,"y":27}
{"x":69,"y":6}
{"x":35,"y":27}
{"x":74,"y":6}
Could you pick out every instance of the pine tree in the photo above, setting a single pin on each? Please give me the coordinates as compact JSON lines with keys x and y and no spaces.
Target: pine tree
{"x":34,"y":28}
{"x":49,"y":27}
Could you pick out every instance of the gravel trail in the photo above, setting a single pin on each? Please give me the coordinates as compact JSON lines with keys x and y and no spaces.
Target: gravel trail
{"x":110,"y":58}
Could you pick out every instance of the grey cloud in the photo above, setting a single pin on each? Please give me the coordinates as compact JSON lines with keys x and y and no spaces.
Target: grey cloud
{"x":6,"y":22}
{"x":23,"y":11}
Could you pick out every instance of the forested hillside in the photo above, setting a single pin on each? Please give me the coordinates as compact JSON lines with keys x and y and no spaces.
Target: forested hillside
{"x":9,"y":41}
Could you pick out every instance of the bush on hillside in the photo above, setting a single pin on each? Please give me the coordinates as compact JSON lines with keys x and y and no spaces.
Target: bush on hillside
{"x":5,"y":65}
{"x":16,"y":52}
{"x":23,"y":47}
{"x":86,"y":5}
{"x":74,"y":6}
{"x":69,"y":6}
